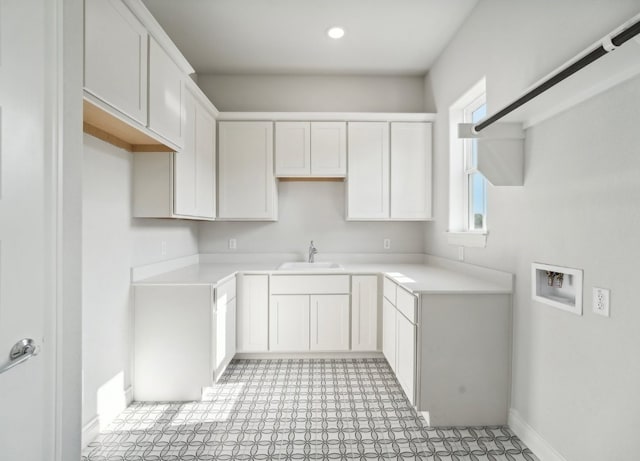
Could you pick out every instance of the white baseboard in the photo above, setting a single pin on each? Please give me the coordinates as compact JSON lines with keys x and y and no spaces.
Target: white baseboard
{"x":308,"y":355}
{"x":538,"y":445}
{"x":128,"y":395}
{"x":90,"y":431}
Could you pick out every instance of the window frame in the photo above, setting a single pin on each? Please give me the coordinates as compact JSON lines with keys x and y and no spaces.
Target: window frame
{"x":469,"y":169}
{"x":459,"y":232}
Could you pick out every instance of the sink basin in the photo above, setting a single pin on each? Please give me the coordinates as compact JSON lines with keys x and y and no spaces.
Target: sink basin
{"x":304,"y":266}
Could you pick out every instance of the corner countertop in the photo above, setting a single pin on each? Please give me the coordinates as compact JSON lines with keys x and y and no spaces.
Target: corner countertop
{"x":435,"y":275}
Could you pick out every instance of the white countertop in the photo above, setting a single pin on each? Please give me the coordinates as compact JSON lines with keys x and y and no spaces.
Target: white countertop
{"x":434,"y":276}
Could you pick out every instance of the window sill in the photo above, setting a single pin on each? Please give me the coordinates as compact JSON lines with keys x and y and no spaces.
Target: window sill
{"x":468,"y":239}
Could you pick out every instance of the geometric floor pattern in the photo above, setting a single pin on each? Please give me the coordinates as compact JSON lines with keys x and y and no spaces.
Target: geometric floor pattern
{"x":348,"y":409}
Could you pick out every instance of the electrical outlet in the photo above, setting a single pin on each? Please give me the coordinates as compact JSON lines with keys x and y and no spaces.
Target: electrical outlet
{"x":163,"y":248}
{"x":232,"y":244}
{"x":601,"y":301}
{"x":460,"y":253}
{"x":386,"y":244}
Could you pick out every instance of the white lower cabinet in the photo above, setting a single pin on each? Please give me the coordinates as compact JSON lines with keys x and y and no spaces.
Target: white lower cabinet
{"x":364,"y":312}
{"x":289,"y":323}
{"x":389,"y":333}
{"x":329,"y":322}
{"x":183,"y":338}
{"x":406,"y":355}
{"x":399,"y":331}
{"x":224,"y":341}
{"x":253,"y":313}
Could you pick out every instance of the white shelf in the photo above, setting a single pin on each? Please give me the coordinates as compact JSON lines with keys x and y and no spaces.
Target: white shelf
{"x":566,"y":296}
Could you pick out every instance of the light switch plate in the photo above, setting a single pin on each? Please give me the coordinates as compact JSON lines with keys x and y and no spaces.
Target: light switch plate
{"x":601,"y":297}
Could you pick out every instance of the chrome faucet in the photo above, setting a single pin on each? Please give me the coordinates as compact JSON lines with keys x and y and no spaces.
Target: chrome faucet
{"x":313,"y":251}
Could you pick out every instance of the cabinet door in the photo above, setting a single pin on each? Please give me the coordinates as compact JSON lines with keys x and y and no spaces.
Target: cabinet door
{"x":329,"y":149}
{"x":184,"y":165}
{"x":205,"y":174}
{"x":293,"y":149}
{"x":406,"y":355}
{"x":389,"y":333}
{"x":289,"y":323}
{"x":253,"y":313}
{"x":115,"y":58}
{"x":194,"y":165}
{"x":230,"y":332}
{"x":247,"y":185}
{"x":411,"y":171}
{"x":165,"y":94}
{"x":368,"y":176}
{"x":329,"y":323}
{"x":220,"y":339}
{"x":364,"y":312}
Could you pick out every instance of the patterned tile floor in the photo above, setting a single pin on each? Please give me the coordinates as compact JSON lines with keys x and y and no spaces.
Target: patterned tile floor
{"x":297,"y":410}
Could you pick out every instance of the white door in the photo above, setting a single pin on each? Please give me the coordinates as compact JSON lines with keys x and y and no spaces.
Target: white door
{"x":293,"y":149}
{"x":328,"y":149}
{"x":389,"y":333}
{"x":31,"y":399}
{"x":246,"y":181}
{"x":364,"y":312}
{"x":329,"y":323}
{"x":289,"y":323}
{"x":253,"y":313}
{"x":406,"y":355}
{"x":411,"y":170}
{"x":368,"y":171}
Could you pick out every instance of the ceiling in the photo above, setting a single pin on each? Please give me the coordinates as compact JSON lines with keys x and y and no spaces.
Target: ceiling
{"x":383,"y":37}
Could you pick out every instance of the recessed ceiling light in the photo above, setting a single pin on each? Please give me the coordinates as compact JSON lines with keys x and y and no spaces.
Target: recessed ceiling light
{"x":336,"y":32}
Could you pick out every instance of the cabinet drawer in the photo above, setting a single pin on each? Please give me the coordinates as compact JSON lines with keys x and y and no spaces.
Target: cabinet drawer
{"x":390,"y":290}
{"x":407,"y":304}
{"x":309,"y":284}
{"x":226,"y":291}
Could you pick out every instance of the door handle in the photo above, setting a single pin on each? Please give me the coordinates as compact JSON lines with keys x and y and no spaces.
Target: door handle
{"x":21,"y":351}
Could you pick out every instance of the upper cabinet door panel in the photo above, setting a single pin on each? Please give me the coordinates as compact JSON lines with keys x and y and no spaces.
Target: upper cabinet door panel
{"x":411,"y":171}
{"x":184,"y":172}
{"x":165,"y":94}
{"x":205,"y":142}
{"x":329,"y":149}
{"x":293,"y":148}
{"x":368,"y":178}
{"x":116,"y":57}
{"x":246,"y":182}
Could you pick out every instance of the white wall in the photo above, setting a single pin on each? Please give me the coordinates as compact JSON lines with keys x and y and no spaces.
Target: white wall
{"x":575,"y":379}
{"x":315,"y":93}
{"x":112,"y":243}
{"x":311,"y":211}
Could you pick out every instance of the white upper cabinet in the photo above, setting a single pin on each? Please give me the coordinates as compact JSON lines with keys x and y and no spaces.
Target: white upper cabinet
{"x":410,"y":170}
{"x":165,"y":94}
{"x":246,"y":181}
{"x":316,"y":149}
{"x":368,"y":179}
{"x":194,"y":165}
{"x":293,"y":149}
{"x":116,"y":57}
{"x":328,"y":149}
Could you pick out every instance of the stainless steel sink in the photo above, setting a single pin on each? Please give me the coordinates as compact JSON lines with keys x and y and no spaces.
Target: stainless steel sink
{"x":305,"y":266}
